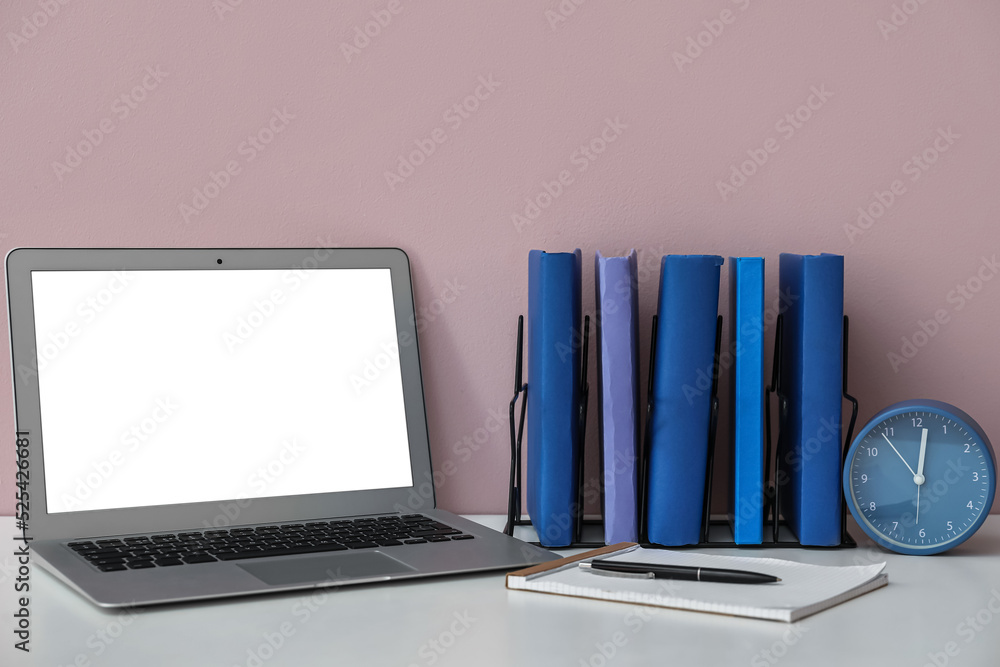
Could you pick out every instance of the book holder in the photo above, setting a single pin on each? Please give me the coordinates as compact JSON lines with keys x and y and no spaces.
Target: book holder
{"x":715,"y":533}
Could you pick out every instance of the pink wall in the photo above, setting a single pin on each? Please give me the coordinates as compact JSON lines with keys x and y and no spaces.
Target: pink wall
{"x":555,"y":82}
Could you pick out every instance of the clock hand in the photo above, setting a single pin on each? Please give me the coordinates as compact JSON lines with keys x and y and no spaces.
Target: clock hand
{"x":918,"y":477}
{"x":900,"y":455}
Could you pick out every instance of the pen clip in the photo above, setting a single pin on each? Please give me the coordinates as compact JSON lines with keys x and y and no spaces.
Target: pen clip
{"x":607,"y":573}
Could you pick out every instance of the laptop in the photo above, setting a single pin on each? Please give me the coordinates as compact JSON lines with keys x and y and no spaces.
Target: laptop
{"x":207,"y":423}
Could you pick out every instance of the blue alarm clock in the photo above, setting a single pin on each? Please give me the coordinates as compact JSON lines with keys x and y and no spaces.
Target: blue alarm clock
{"x":920,"y":477}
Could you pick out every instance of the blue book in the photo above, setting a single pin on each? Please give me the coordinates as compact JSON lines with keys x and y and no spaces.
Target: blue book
{"x":812,"y":381}
{"x":682,"y":401}
{"x":553,"y":394}
{"x":618,"y":376}
{"x":746,"y":399}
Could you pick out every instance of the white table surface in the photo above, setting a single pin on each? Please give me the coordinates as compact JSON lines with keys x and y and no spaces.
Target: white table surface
{"x":932,"y":606}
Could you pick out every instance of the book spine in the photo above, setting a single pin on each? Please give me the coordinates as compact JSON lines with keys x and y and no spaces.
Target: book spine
{"x":746,"y":326}
{"x":618,"y":396}
{"x":812,"y":377}
{"x":685,"y":350}
{"x":553,"y":394}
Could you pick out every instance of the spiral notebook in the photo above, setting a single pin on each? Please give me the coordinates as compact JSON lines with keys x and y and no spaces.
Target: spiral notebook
{"x":803,"y":590}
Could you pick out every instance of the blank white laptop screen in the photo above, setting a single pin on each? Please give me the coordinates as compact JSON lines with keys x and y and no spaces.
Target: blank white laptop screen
{"x":183,"y":386}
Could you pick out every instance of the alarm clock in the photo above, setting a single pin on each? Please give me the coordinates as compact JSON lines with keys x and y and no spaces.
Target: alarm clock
{"x":920,"y":477}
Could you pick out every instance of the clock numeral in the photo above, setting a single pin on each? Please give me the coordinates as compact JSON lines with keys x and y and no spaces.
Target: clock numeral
{"x":889,"y":431}
{"x":894,"y":524}
{"x":975,"y":476}
{"x":864,"y":478}
{"x":950,"y":526}
{"x":871,"y":506}
{"x":945,"y":426}
{"x":917,"y":421}
{"x":969,"y":505}
{"x":923,"y":533}
{"x":872,"y":451}
{"x":966,"y":448}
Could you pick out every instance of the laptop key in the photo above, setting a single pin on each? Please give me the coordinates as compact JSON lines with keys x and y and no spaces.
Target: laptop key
{"x":388,"y":543}
{"x":198,"y":558}
{"x":441,"y":538}
{"x":290,"y":551}
{"x":141,"y":565}
{"x":360,"y":545}
{"x":415,"y":541}
{"x":166,"y":562}
{"x":462,"y":537}
{"x":108,"y":561}
{"x":104,"y":553}
{"x":111,"y":568}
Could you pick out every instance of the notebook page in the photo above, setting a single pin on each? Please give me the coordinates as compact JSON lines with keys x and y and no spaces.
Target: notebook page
{"x":803,"y":588}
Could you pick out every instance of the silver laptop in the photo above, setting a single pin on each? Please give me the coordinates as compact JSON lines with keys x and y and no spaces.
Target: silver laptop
{"x":203,"y":423}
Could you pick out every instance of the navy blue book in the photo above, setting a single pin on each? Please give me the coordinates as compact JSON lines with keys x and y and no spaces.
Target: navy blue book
{"x":554,"y":337}
{"x":682,"y":382}
{"x":746,"y":399}
{"x":812,"y":381}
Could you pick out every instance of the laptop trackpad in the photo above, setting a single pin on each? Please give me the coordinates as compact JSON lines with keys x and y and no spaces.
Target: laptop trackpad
{"x":332,"y":567}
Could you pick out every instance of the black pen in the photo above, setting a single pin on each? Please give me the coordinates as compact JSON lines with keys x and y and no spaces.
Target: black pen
{"x":652,"y":570}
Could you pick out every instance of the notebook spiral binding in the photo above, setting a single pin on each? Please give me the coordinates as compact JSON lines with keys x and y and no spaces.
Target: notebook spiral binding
{"x":780,"y":535}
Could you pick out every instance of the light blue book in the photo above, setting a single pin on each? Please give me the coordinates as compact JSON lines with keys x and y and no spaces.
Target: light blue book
{"x":618,"y":398}
{"x":746,"y":399}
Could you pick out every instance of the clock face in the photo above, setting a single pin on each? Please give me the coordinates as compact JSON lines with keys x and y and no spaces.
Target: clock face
{"x":920,"y":478}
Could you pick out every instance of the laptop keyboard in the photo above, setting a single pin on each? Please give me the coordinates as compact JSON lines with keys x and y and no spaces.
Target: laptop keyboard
{"x":170,"y":549}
